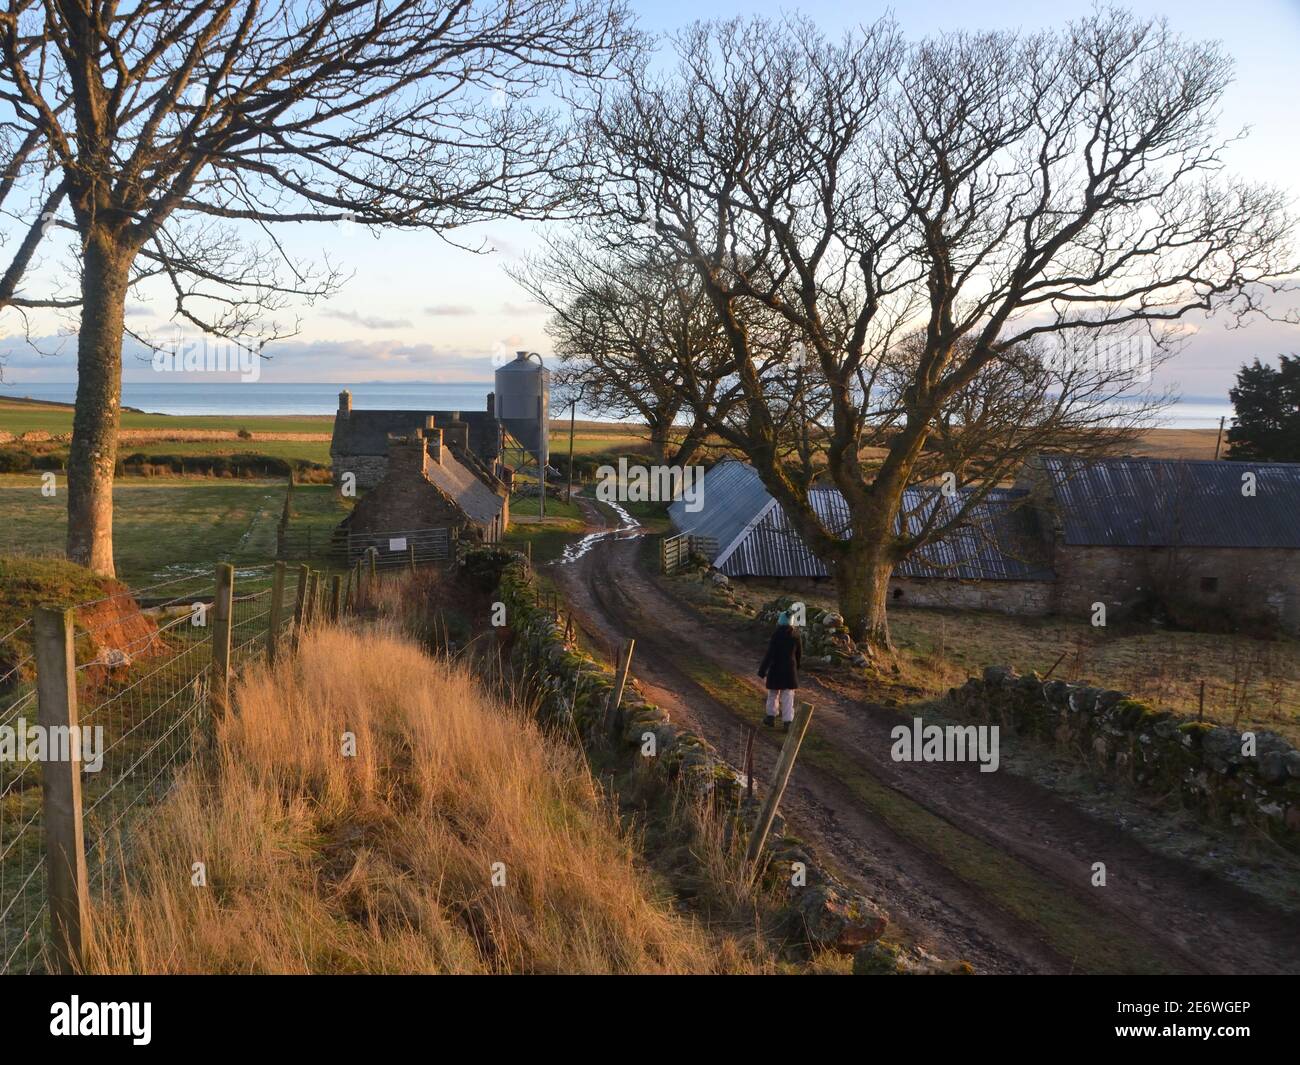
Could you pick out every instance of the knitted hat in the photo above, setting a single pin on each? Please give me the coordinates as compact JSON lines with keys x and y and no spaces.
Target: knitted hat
{"x":783,"y":618}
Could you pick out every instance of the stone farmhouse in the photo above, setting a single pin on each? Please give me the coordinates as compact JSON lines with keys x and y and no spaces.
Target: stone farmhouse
{"x":360,"y":442}
{"x":1194,"y":539}
{"x":429,"y":485}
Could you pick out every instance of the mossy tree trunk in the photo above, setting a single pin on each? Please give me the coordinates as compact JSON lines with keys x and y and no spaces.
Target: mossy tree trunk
{"x":93,"y":454}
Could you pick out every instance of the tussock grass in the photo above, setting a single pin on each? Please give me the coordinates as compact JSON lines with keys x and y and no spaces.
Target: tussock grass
{"x":383,"y":862}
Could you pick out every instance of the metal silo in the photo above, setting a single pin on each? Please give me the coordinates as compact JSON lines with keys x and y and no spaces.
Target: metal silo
{"x":523,"y":407}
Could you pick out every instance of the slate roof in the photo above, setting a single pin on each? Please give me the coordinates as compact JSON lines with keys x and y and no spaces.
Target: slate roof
{"x":365,"y":432}
{"x":1147,"y":502}
{"x":1000,"y":542}
{"x":474,"y":497}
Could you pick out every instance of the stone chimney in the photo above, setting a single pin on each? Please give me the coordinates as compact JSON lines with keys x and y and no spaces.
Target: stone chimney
{"x":345,"y":402}
{"x":433,"y":445}
{"x":456,"y":434}
{"x":407,"y":456}
{"x":491,"y":404}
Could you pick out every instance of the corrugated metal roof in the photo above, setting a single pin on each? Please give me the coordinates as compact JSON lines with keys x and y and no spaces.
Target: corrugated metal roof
{"x":1145,"y":502}
{"x":755,"y":539}
{"x":732,"y":496}
{"x":998,"y":543}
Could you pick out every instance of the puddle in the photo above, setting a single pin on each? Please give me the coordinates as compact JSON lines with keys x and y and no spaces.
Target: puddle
{"x":627,"y":529}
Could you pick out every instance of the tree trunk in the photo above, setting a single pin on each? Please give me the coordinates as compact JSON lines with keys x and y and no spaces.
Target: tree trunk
{"x":660,"y":433}
{"x":862,"y":589}
{"x":93,"y":454}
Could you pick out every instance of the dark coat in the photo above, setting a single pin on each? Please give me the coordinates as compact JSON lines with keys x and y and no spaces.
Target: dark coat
{"x":781,"y":663}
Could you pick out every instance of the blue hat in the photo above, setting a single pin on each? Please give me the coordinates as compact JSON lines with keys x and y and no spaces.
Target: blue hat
{"x":783,"y":618}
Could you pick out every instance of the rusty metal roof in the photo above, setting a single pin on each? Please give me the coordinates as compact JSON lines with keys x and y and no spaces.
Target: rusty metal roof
{"x":999,"y":541}
{"x":1147,"y":502}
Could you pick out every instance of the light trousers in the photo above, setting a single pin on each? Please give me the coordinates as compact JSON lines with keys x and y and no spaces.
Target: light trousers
{"x":786,"y":699}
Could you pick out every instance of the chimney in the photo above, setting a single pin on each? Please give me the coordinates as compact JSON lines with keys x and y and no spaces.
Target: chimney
{"x":433,"y":445}
{"x":407,"y":456}
{"x":456,"y":434}
{"x":491,"y":404}
{"x":345,"y":402}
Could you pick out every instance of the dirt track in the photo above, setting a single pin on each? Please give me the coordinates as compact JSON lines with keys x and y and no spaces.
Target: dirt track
{"x":904,"y":833}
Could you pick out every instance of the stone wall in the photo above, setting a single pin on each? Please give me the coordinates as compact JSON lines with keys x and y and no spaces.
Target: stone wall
{"x":369,"y":470}
{"x":1211,"y":768}
{"x":1244,"y":584}
{"x":1026,"y":598}
{"x":575,"y":687}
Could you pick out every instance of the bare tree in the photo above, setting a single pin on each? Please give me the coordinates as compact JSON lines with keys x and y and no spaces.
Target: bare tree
{"x":169,"y":137}
{"x":628,"y":320}
{"x":961,"y":232}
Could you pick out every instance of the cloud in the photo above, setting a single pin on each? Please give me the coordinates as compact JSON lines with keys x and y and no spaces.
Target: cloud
{"x":522,"y":308}
{"x":449,"y":310}
{"x":366,"y":321}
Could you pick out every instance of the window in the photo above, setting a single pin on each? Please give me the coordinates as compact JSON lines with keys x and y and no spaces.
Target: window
{"x":1209,"y":585}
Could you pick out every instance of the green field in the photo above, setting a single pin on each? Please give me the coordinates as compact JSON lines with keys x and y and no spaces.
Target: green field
{"x":18,"y":416}
{"x":171,"y":526}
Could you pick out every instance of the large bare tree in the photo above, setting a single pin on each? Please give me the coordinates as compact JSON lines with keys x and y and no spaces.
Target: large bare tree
{"x":169,"y":138}
{"x":963,"y":232}
{"x":628,"y":320}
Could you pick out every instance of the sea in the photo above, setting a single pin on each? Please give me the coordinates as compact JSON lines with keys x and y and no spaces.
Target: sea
{"x":279,"y":398}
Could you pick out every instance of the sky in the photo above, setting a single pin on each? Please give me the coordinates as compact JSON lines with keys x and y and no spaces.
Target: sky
{"x":416,"y":308}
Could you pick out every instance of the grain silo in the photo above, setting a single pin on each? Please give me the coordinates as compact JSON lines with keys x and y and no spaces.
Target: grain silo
{"x":523,"y":407}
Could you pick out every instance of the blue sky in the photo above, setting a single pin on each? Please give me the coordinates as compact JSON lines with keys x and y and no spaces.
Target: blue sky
{"x":420,"y":310}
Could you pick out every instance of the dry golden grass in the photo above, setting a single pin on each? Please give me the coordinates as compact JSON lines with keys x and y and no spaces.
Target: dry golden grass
{"x":383,"y":862}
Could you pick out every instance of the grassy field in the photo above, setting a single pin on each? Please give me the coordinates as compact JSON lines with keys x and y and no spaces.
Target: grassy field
{"x":170,"y":526}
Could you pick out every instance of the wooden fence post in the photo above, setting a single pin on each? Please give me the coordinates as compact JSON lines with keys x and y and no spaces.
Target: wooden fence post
{"x":300,"y":604}
{"x":780,"y":778}
{"x":65,"y":843}
{"x":411,"y":548}
{"x":222,"y":608}
{"x":309,"y":609}
{"x":277,"y":611}
{"x":336,"y":597}
{"x":620,"y":680}
{"x":374,"y":568}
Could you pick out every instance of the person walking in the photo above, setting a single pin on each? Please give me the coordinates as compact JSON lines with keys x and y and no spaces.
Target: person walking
{"x":780,"y":668}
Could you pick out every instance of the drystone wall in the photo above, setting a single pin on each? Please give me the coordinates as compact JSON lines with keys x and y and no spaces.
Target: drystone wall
{"x":1239,"y":777}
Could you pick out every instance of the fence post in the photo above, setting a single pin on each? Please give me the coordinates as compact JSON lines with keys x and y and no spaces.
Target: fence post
{"x":779,"y":780}
{"x":277,"y":609}
{"x":411,"y":548}
{"x":65,"y":843}
{"x":300,"y":604}
{"x":309,"y":608}
{"x":620,"y":680}
{"x":222,"y":608}
{"x":373,"y":552}
{"x":336,"y":597}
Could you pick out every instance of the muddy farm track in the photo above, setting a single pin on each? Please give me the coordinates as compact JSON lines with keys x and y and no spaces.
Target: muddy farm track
{"x":990,"y":868}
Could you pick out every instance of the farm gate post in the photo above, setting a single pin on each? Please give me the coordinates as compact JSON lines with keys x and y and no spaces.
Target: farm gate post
{"x":784,"y":764}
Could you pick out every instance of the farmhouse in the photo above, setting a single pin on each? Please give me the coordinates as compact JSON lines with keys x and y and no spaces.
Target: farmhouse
{"x":1189,"y":537}
{"x":360,"y":442}
{"x":428,"y":485}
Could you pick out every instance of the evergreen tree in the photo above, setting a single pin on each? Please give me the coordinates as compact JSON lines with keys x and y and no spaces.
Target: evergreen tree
{"x":1266,"y":426}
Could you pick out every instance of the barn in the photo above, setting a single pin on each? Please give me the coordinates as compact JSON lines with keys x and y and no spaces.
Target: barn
{"x":1198,"y":540}
{"x":996,"y":562}
{"x":1197,"y":537}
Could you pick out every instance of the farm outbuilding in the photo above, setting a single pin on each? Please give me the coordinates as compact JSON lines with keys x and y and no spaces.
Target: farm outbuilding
{"x":1192,"y":538}
{"x":1200,"y":537}
{"x":995,"y":562}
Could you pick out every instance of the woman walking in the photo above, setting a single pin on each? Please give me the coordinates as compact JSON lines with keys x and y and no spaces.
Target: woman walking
{"x":781,"y":669}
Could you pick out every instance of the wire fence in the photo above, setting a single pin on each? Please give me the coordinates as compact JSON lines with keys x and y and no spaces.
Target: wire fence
{"x":127,"y":703}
